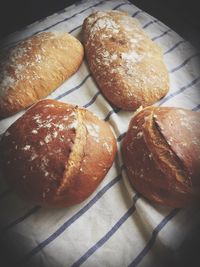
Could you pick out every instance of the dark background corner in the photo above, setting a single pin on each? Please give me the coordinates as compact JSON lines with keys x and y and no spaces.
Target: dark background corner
{"x":181,"y":16}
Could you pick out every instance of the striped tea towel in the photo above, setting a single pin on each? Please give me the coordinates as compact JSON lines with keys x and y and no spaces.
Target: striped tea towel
{"x":115,"y":226}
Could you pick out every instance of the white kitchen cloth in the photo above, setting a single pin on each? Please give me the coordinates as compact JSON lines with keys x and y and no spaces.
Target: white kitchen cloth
{"x":115,"y":226}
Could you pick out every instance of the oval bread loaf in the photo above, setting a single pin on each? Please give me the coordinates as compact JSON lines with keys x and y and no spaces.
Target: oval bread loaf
{"x":35,"y":67}
{"x":126,"y":64}
{"x":56,"y":154}
{"x":161,"y":152}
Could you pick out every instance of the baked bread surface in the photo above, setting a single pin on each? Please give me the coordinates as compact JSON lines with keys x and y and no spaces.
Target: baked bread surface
{"x":35,"y":67}
{"x":161,"y":152}
{"x":126,"y":64}
{"x":56,"y":154}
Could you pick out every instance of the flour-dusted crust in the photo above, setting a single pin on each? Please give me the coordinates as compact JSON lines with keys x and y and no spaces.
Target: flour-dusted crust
{"x":126,"y":64}
{"x":56,"y":154}
{"x":161,"y":151}
{"x":35,"y":67}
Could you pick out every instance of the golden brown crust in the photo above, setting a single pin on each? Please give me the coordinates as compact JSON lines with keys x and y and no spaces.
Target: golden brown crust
{"x":159,"y":158}
{"x":56,"y":154}
{"x":36,"y":67}
{"x":183,"y":137}
{"x":126,"y":64}
{"x":98,"y":153}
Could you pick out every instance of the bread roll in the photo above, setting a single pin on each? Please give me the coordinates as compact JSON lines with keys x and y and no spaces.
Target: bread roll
{"x":36,"y":67}
{"x":127,"y":66}
{"x":56,"y":154}
{"x":161,"y":152}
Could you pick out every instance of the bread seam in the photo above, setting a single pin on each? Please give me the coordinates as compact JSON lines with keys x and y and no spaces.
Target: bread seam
{"x":164,"y":156}
{"x":72,"y":167}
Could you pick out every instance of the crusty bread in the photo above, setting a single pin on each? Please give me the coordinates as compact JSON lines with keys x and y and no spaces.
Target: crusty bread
{"x":56,"y":154}
{"x":126,"y":64}
{"x":161,"y":152}
{"x":35,"y":67}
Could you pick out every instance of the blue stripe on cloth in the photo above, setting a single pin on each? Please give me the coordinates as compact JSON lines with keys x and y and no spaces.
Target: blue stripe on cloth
{"x":92,"y":100}
{"x":161,"y":35}
{"x":137,"y":12}
{"x":149,"y":23}
{"x":20,"y":219}
{"x":123,"y":4}
{"x":184,"y":63}
{"x":109,"y":115}
{"x":74,"y":29}
{"x":74,"y":88}
{"x":195,"y":81}
{"x":111,"y":112}
{"x":174,"y":46}
{"x":108,"y":235}
{"x":120,"y":137}
{"x":196,"y":108}
{"x":152,"y":240}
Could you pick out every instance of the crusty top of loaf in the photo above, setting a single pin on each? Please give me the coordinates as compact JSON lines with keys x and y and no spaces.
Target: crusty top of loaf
{"x":181,"y":130}
{"x":172,"y":136}
{"x":35,"y":67}
{"x":43,"y":142}
{"x":162,"y":155}
{"x":13,"y":65}
{"x":56,"y":153}
{"x":126,"y":63}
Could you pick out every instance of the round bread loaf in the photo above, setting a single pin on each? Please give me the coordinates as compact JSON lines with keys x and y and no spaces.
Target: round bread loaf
{"x":35,"y":67}
{"x":161,"y":152}
{"x":56,"y":154}
{"x":126,"y":64}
